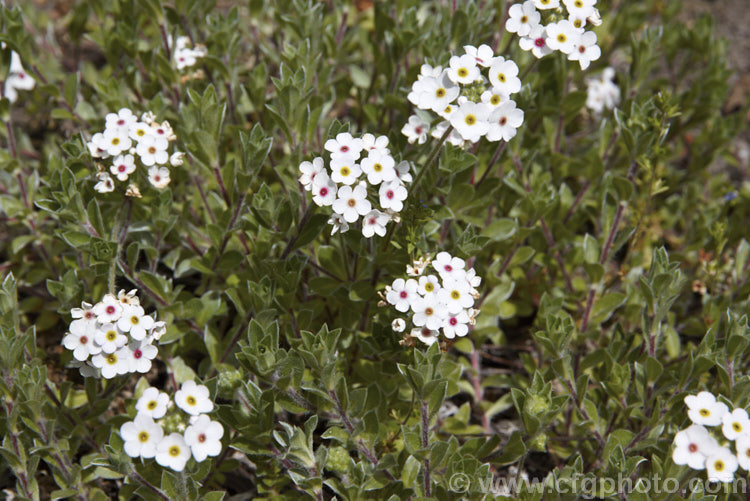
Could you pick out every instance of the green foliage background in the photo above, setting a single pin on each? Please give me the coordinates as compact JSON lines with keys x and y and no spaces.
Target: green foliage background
{"x":614,"y":265}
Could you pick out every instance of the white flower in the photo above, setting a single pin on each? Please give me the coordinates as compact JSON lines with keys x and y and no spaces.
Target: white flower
{"x":128,"y":298}
{"x":562,"y":36}
{"x":428,"y":312}
{"x":692,"y":445}
{"x":338,"y":223}
{"x":379,"y":167}
{"x":123,"y":118}
{"x":704,"y":409}
{"x":416,"y":130}
{"x":438,"y":93}
{"x":580,"y":8}
{"x":153,"y":150}
{"x":602,"y":92}
{"x":309,"y":170}
{"x":109,"y":338}
{"x":108,"y":310}
{"x":152,"y":403}
{"x":85,"y":312}
{"x":158,"y":176}
{"x":403,"y":171}
{"x":157,"y":331}
{"x":135,"y":321}
{"x":546,"y":4}
{"x":344,"y":146}
{"x":323,"y":190}
{"x":522,"y":17}
{"x":173,"y":452}
{"x":446,"y":113}
{"x":504,"y":77}
{"x":374,"y":223}
{"x":449,"y":267}
{"x":504,"y":121}
{"x":586,"y":50}
{"x":456,"y":324}
{"x":352,"y":203}
{"x":141,"y":436}
{"x":424,"y":334}
{"x":402,"y":293}
{"x":721,"y":465}
{"x":193,"y":398}
{"x":472,"y":278}
{"x":428,"y":284}
{"x":113,"y":364}
{"x":456,"y":295}
{"x":148,"y":117}
{"x":105,"y":184}
{"x":743,"y":451}
{"x":536,"y":41}
{"x":185,"y":58}
{"x":162,"y":131}
{"x":80,"y":340}
{"x":18,"y":78}
{"x":204,"y":437}
{"x":372,"y":143}
{"x":122,"y":167}
{"x":138,"y":130}
{"x":735,"y":423}
{"x":463,"y":69}
{"x":494,"y":98}
{"x":93,"y":146}
{"x":141,"y":355}
{"x":392,"y":195}
{"x":429,"y":71}
{"x":177,"y":158}
{"x":484,"y":55}
{"x":470,"y":120}
{"x":114,"y":140}
{"x":398,"y":325}
{"x":344,"y":170}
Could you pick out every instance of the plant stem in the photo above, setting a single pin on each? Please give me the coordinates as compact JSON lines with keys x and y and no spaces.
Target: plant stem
{"x":300,"y":227}
{"x":425,"y":444}
{"x":431,"y":158}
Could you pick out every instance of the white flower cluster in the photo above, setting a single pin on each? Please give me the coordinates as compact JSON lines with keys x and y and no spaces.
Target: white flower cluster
{"x":347,"y":195}
{"x":566,"y":35}
{"x":474,"y":104}
{"x":18,"y":78}
{"x":145,"y":437}
{"x":117,"y":335}
{"x":699,"y":449}
{"x":443,"y":301}
{"x":186,"y":56}
{"x":128,"y":140}
{"x":602,"y":92}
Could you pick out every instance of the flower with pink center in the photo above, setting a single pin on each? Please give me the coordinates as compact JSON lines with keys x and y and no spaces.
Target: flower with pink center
{"x":424,"y":334}
{"x":309,"y":170}
{"x":123,"y":166}
{"x":402,"y":293}
{"x":158,"y":176}
{"x":484,"y":55}
{"x":449,"y":267}
{"x":203,"y":437}
{"x":392,"y":195}
{"x":122,"y":119}
{"x":80,"y":340}
{"x":586,"y":50}
{"x":323,"y":190}
{"x":372,"y":143}
{"x":141,"y":356}
{"x":536,"y":41}
{"x":108,"y":310}
{"x":345,"y":146}
{"x":416,"y":130}
{"x":456,"y":324}
{"x":403,"y":172}
{"x":374,"y":223}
